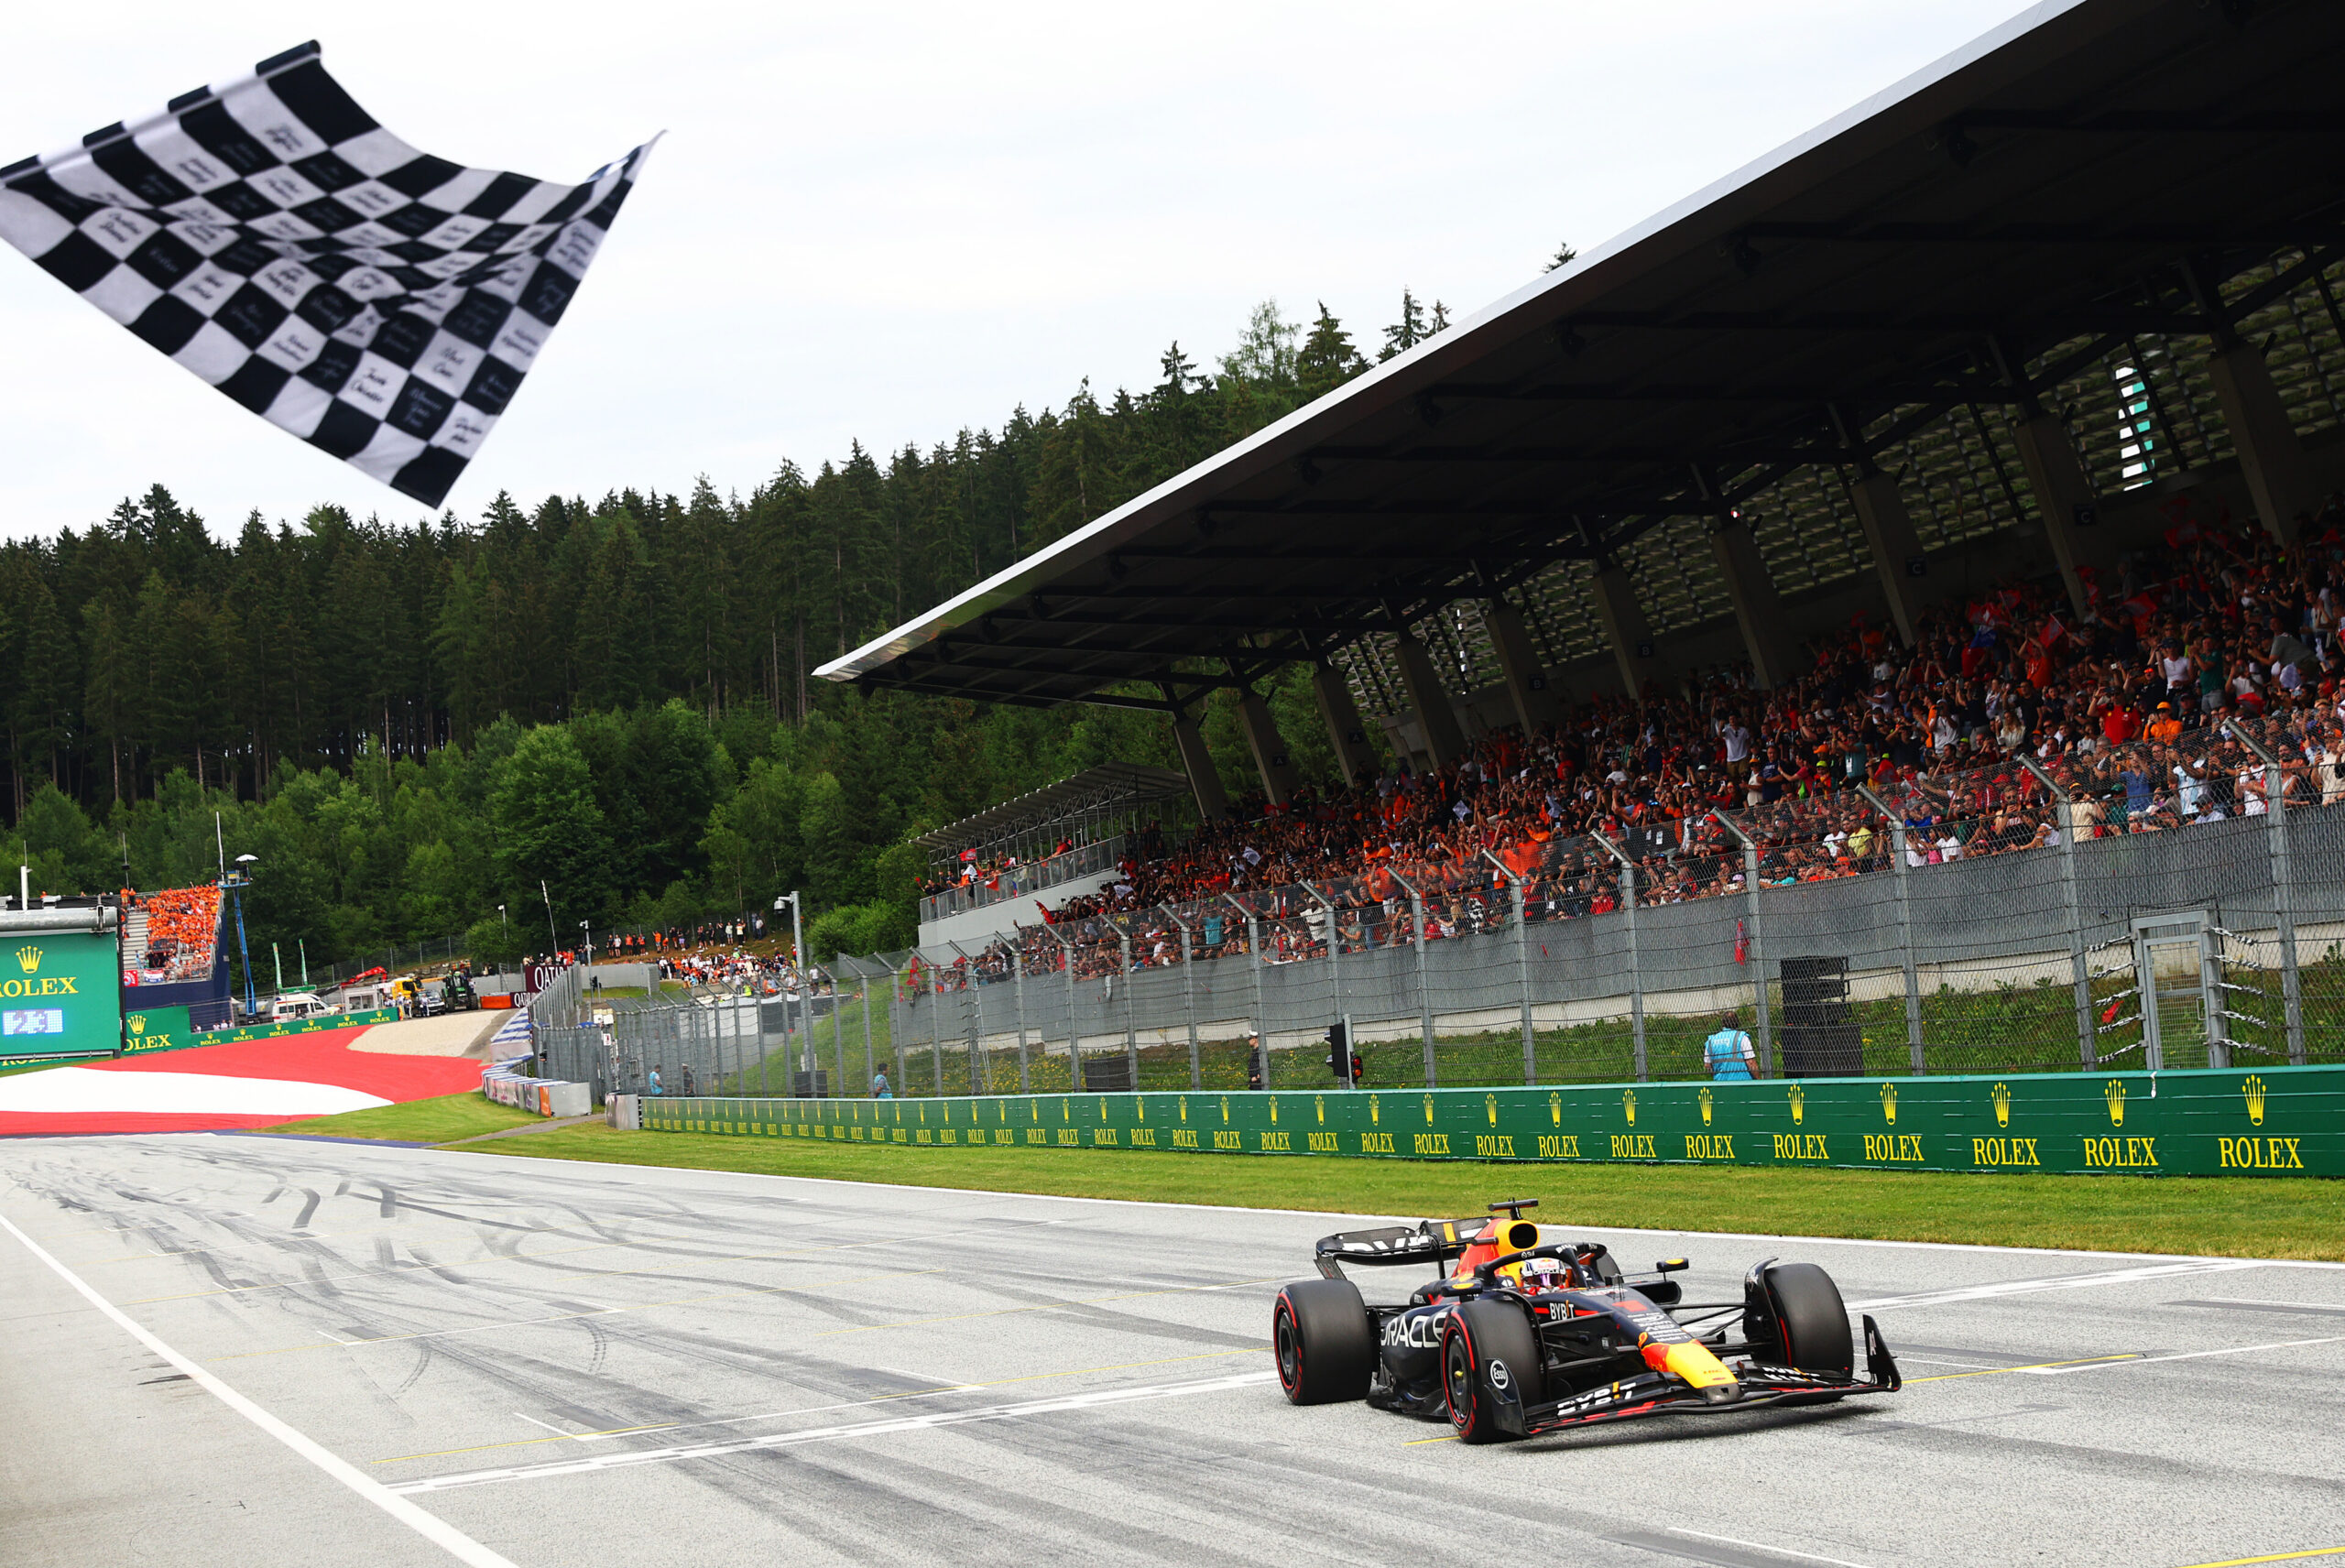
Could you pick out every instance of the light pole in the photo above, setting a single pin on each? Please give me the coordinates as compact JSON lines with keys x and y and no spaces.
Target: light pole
{"x":798,"y":961}
{"x":245,"y":863}
{"x":553,"y":934}
{"x":588,"y":927}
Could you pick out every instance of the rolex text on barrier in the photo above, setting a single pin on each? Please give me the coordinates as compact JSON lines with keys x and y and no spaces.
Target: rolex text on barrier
{"x":2272,"y":1121}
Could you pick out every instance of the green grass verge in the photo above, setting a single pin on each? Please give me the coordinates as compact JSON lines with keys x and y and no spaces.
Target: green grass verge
{"x":2201,"y":1216}
{"x":441,"y":1120}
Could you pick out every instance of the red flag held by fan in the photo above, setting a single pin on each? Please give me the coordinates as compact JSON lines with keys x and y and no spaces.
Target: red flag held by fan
{"x":1741,"y":944}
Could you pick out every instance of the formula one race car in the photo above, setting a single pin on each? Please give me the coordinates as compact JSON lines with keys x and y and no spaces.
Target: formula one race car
{"x":1525,"y":1336}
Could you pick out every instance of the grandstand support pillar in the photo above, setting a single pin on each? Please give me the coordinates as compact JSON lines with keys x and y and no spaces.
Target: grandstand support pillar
{"x":1534,"y":699}
{"x":1341,"y":715}
{"x":1271,"y":759}
{"x":1626,"y":628}
{"x":1436,"y":719}
{"x":1904,"y":929}
{"x":1636,"y":979}
{"x":2271,"y":458}
{"x":1196,"y":761}
{"x":2064,"y":497}
{"x":1897,"y":555}
{"x":1757,"y":610}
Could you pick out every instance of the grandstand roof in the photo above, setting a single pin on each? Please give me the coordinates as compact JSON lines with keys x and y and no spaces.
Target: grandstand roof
{"x":1110,"y":787}
{"x":2086,"y":175}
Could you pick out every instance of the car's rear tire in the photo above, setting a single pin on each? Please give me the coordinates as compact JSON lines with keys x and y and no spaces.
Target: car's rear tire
{"x":1326,"y":1349}
{"x":1812,"y":1325}
{"x":1489,"y":1353}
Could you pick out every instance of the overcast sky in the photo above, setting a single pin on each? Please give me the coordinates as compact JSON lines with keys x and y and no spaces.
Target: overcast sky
{"x":892,"y":221}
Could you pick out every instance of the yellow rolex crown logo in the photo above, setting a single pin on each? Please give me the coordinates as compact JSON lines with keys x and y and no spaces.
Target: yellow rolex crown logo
{"x":1555,"y":1109}
{"x":2253,"y":1090}
{"x":1490,"y":1104}
{"x":28,"y":959}
{"x":1706,"y":1104}
{"x":1889,"y":1103}
{"x":137,"y":1022}
{"x":1629,"y":1105}
{"x":1428,"y":1110}
{"x":1184,"y":1107}
{"x":1274,"y":1110}
{"x":1799,"y":1105}
{"x":2115,"y":1095}
{"x":1225,"y":1108}
{"x":2001,"y":1095}
{"x":1319,"y":1105}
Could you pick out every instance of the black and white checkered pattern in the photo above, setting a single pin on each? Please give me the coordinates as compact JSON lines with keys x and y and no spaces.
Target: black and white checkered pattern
{"x":379,"y":303}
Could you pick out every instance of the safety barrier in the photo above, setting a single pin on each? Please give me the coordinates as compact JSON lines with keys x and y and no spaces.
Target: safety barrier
{"x":165,"y":1029}
{"x":548,"y":1097}
{"x":2277,"y":1121}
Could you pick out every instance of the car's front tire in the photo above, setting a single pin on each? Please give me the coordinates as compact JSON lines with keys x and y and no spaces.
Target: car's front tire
{"x":1490,"y":1358}
{"x":1326,"y":1349}
{"x":1810,"y":1324}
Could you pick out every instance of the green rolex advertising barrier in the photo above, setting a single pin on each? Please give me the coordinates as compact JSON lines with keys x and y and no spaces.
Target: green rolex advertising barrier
{"x":60,"y":986}
{"x":2271,"y":1121}
{"x":167,"y":1029}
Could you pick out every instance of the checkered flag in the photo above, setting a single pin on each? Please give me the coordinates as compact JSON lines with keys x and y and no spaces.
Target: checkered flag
{"x":381,"y":304}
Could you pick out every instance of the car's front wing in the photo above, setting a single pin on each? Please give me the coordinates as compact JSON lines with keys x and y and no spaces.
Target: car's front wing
{"x":1656,"y":1393}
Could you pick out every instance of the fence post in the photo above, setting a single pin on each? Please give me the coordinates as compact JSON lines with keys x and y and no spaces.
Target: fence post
{"x":1334,"y":981}
{"x":1073,"y":1033}
{"x":2066,"y":813}
{"x":1189,"y":997}
{"x":1131,"y":1022}
{"x":1766,"y":1030}
{"x":1522,"y":962}
{"x":973,"y":980}
{"x":1906,"y":928}
{"x":1261,"y":1022}
{"x":936,"y":1031}
{"x":1636,"y":974}
{"x":2283,"y":890}
{"x":1424,"y":990}
{"x":1017,"y":982}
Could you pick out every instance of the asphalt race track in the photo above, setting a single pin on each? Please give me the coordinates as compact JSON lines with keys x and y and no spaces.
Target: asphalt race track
{"x":353,"y":1349}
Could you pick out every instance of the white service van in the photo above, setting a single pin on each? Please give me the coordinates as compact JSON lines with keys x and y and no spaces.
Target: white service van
{"x":295,"y":1005}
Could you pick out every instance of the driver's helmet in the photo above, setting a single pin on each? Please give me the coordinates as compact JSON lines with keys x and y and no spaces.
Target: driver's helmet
{"x":1532,"y":1275}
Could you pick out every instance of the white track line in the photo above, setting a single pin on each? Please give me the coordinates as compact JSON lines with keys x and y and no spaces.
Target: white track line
{"x":2179,"y":1355}
{"x":831,"y":1433}
{"x":1763,"y":1546}
{"x":445,"y":1536}
{"x":2054,"y":1282}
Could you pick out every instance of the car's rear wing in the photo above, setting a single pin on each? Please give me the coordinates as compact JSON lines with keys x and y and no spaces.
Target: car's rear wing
{"x":1434,"y":1241}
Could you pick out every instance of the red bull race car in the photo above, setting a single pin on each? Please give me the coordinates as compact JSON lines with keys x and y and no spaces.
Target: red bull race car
{"x":1524,"y":1335}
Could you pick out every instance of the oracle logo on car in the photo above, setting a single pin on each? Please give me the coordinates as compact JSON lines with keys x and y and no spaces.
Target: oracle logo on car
{"x":1420,"y":1331}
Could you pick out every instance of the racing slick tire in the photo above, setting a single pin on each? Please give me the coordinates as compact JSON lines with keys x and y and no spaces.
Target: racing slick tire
{"x":1813,"y":1323}
{"x":1489,"y":1359}
{"x":1326,"y":1351}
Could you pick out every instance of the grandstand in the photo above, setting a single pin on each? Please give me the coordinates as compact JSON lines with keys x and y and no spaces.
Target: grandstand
{"x":174,"y":953}
{"x":1948,"y":484}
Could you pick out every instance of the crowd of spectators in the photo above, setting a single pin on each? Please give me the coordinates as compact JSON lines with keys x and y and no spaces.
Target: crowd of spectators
{"x":2131,"y":710}
{"x":182,"y":933}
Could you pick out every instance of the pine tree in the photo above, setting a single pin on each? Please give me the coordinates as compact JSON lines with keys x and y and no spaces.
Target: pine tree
{"x":1327,"y":358}
{"x":1408,"y":331}
{"x":1564,"y":255}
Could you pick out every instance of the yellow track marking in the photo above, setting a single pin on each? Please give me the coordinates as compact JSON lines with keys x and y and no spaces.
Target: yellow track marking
{"x":2039,"y":1367}
{"x":2275,"y":1557}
